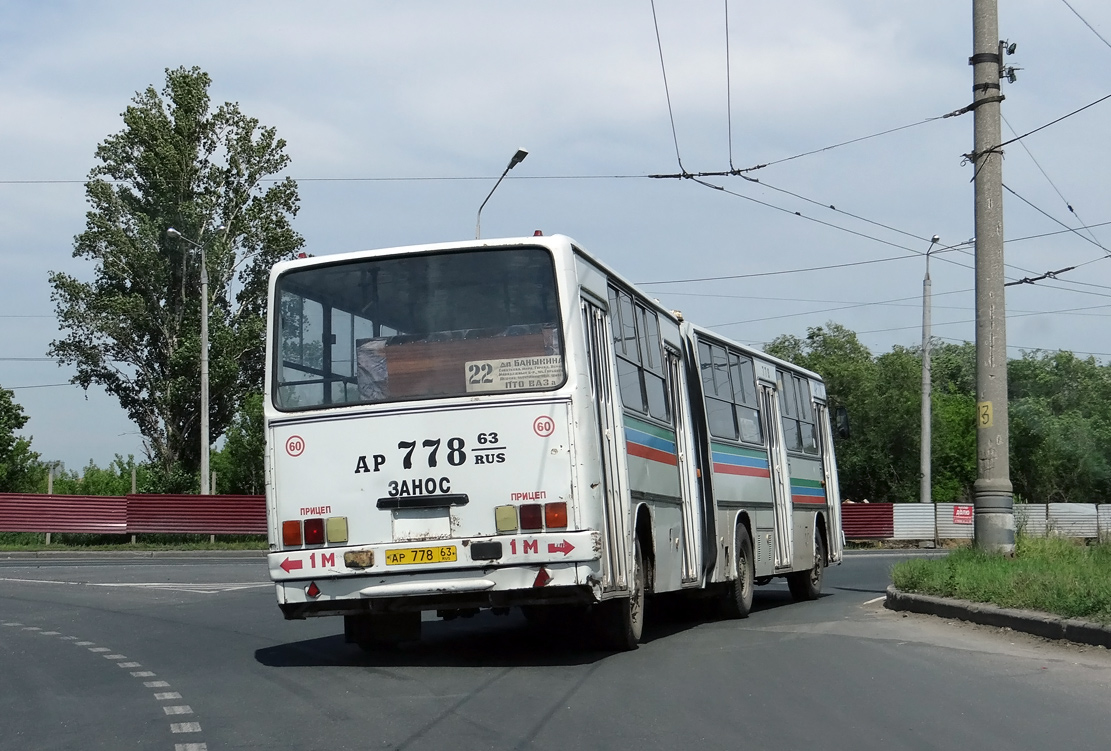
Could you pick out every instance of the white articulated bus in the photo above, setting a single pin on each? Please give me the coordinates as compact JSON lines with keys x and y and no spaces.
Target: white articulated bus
{"x":501,"y":423}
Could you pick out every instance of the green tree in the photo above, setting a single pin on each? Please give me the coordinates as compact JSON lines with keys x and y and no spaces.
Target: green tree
{"x":19,"y":465}
{"x":134,"y":328}
{"x":239,"y":464}
{"x":115,"y":479}
{"x":1060,"y":408}
{"x":883,"y":396}
{"x":849,"y":370}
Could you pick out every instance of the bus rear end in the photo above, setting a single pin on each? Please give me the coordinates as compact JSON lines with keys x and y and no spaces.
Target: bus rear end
{"x":420,"y":444}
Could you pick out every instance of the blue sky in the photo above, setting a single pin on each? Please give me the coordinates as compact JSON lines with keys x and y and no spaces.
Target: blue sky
{"x":445,"y":92}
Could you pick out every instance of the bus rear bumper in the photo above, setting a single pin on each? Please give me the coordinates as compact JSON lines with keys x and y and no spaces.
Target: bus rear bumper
{"x":506,"y":586}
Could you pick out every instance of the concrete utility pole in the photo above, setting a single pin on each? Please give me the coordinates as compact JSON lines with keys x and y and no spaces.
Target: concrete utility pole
{"x":994,"y":519}
{"x":925,"y":489}
{"x":205,"y":443}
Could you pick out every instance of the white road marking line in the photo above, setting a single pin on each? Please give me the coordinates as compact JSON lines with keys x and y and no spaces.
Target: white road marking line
{"x":876,"y":599}
{"x":185,"y":727}
{"x":173,"y":710}
{"x":203,"y":589}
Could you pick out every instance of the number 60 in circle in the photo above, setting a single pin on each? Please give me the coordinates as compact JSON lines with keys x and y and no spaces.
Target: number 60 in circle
{"x":543,"y":426}
{"x":295,"y":445}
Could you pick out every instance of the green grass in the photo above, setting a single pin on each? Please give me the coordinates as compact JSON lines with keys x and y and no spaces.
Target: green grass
{"x":1052,"y":575}
{"x":16,"y":542}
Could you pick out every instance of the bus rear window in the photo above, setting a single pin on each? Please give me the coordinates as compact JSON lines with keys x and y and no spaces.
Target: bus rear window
{"x":416,"y":327}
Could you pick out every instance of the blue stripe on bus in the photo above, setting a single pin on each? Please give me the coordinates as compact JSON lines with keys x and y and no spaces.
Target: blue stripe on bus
{"x":647,"y":439}
{"x":740,"y":461}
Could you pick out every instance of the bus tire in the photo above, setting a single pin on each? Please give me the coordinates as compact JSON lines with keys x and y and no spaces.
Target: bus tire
{"x":620,"y":623}
{"x":737,"y":602}
{"x":807,"y":585}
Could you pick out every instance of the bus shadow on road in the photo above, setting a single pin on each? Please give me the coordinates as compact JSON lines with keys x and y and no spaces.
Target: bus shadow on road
{"x":507,"y":641}
{"x":482,"y":641}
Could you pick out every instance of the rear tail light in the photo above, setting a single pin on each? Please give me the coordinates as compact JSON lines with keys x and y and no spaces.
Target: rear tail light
{"x":314,"y":531}
{"x":555,"y":515}
{"x":291,"y":533}
{"x":532,"y":516}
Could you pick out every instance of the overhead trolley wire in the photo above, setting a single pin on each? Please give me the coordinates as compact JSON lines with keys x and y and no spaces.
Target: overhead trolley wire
{"x":1085,"y":22}
{"x":1048,"y":179}
{"x":667,"y":93}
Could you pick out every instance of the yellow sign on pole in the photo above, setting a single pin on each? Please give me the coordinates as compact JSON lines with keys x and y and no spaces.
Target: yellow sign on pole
{"x":983,"y":415}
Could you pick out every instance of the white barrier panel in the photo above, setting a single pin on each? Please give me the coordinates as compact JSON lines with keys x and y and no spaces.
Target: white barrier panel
{"x":1030,"y":519}
{"x":914,"y":521}
{"x":1073,"y":520}
{"x":1103,"y":518}
{"x":954,"y":521}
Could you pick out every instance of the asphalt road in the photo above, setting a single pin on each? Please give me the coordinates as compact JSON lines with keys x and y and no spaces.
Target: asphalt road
{"x":193,"y":654}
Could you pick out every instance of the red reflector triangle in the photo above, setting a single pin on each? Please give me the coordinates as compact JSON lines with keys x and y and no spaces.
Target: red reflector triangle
{"x":542,"y":577}
{"x":312,"y":590}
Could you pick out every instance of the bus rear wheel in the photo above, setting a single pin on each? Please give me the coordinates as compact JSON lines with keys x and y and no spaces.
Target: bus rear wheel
{"x":737,"y":602}
{"x":620,"y":622}
{"x":807,"y":585}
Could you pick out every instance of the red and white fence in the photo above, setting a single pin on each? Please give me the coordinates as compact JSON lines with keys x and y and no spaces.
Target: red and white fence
{"x":953,"y":521}
{"x":134,"y":514}
{"x":246,"y":515}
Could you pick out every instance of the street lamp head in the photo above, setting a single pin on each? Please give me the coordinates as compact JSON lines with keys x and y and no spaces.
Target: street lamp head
{"x":173,"y":233}
{"x":517,"y":159}
{"x":221,"y":228}
{"x":935,"y":239}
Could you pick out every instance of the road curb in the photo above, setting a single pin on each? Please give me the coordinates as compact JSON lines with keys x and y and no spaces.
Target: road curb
{"x":1029,"y":622}
{"x":86,"y":554}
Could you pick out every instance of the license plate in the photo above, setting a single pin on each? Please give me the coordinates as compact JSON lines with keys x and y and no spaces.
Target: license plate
{"x":404,"y":556}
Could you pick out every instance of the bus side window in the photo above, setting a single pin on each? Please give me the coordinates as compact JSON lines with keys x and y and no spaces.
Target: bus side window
{"x":744,"y":396}
{"x":788,"y":402}
{"x":799,"y":430}
{"x":718,"y":392}
{"x":639,"y":349}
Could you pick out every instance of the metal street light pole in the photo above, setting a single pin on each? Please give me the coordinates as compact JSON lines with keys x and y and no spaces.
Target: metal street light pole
{"x":517,"y":159}
{"x":205,"y":476}
{"x":925,"y":489}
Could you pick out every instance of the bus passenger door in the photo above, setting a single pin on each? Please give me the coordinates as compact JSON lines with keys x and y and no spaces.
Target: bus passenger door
{"x":688,"y":483}
{"x":611,"y":440}
{"x":780,"y":477}
{"x":829,"y":475}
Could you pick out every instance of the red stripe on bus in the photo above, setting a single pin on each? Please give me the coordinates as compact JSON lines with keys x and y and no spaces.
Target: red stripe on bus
{"x":655,"y":455}
{"x":808,"y":500}
{"x":734,"y":469}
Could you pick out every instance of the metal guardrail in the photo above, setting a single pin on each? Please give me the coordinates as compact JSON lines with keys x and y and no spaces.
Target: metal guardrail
{"x":134,"y":514}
